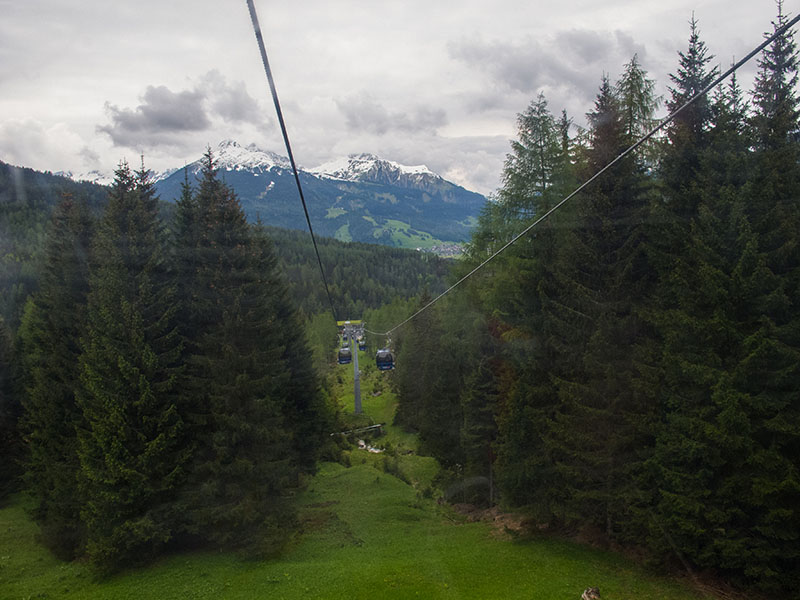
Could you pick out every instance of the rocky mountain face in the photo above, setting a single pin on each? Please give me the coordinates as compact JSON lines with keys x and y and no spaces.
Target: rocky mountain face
{"x":359,"y":198}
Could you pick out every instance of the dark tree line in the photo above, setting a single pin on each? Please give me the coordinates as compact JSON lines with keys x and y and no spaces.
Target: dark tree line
{"x":631,"y":366}
{"x":360,"y":276}
{"x":27,"y":199}
{"x":167,"y":396}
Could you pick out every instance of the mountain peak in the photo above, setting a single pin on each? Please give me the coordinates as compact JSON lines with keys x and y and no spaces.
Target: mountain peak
{"x":370,"y":168}
{"x":231,"y":156}
{"x":94,"y":176}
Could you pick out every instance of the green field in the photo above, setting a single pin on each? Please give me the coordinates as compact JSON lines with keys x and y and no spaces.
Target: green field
{"x":335,"y":212}
{"x":343,"y":233}
{"x":405,"y":237}
{"x":365,"y":534}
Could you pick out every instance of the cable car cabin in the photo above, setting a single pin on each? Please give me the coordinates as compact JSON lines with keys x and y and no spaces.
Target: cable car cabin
{"x":345,"y":356}
{"x":362,"y":344}
{"x":384,"y":360}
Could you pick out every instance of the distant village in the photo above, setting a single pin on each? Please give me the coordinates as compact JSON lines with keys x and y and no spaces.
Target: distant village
{"x":448,"y":250}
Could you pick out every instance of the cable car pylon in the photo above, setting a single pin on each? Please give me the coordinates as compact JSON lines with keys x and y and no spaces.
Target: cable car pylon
{"x":349,"y":333}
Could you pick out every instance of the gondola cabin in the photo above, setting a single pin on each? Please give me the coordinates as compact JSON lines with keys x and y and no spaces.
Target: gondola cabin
{"x":384,"y":360}
{"x":362,"y":344}
{"x":345,"y":356}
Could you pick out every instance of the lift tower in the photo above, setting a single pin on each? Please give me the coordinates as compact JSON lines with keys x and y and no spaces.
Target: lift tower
{"x":350,"y":331}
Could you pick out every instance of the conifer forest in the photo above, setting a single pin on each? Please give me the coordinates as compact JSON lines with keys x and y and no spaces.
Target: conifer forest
{"x":628,"y":369}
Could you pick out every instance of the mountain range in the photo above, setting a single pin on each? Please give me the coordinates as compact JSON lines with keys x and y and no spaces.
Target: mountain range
{"x":360,"y":198}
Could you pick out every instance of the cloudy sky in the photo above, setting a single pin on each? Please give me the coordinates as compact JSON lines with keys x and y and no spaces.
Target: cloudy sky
{"x":86,"y":83}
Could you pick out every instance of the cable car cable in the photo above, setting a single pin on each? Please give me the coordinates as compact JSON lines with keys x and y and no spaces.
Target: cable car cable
{"x":780,"y":31}
{"x":262,"y":49}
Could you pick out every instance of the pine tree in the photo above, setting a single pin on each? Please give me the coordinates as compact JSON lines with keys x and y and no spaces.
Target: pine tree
{"x":304,"y":411}
{"x":132,"y":448}
{"x":769,"y":368}
{"x":10,"y":410}
{"x":597,"y":434}
{"x":248,"y":406}
{"x":448,"y":352}
{"x":520,"y":286}
{"x":687,"y":138}
{"x":417,"y":369}
{"x":701,"y":441}
{"x":53,"y":322}
{"x":183,"y":258}
{"x":529,"y":169}
{"x":636,"y":94}
{"x":479,"y":427}
{"x":775,"y":124}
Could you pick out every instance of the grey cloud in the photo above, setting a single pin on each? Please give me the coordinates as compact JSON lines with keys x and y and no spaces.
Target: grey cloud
{"x":422,"y":118}
{"x":571,"y":60}
{"x":89,"y":156}
{"x":164,"y":115}
{"x":585,"y":45}
{"x":363,"y":113}
{"x":231,"y":101}
{"x":516,"y":66}
{"x":628,"y":45}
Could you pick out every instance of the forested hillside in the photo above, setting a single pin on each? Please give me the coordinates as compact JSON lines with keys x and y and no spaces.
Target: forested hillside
{"x":630,"y":368}
{"x":363,"y":275}
{"x":27,"y":198}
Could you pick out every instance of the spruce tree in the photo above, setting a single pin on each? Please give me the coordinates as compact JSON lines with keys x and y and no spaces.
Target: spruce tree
{"x":53,"y":323}
{"x":519,"y":289}
{"x":479,"y":427}
{"x":687,"y":138}
{"x":304,"y":411}
{"x":769,"y":368}
{"x":132,"y":447}
{"x":637,"y":99}
{"x":700,"y":443}
{"x":416,"y":368}
{"x":10,"y":410}
{"x":247,"y":403}
{"x":602,"y":423}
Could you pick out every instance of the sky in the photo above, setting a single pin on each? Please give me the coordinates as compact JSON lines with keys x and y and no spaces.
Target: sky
{"x":85,"y":84}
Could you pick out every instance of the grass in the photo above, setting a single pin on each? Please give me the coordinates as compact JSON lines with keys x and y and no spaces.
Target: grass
{"x":405,"y":237}
{"x":402,"y":235}
{"x":365,"y":535}
{"x":343,"y":233}
{"x":335,"y":212}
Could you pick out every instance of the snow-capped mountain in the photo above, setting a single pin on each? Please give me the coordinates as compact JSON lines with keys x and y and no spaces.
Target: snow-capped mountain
{"x":91,"y":176}
{"x":361,"y":198}
{"x":370,"y":168}
{"x":230,"y":156}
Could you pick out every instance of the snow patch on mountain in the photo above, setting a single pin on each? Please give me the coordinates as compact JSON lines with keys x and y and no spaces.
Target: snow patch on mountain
{"x":91,"y":176}
{"x":230,"y":156}
{"x":368,"y":167}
